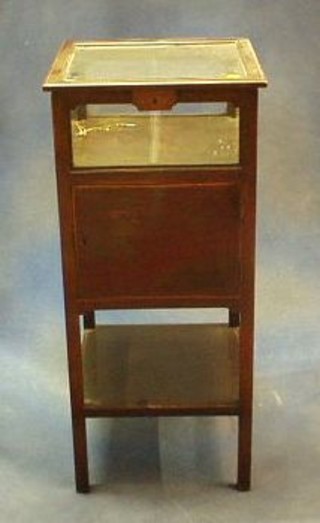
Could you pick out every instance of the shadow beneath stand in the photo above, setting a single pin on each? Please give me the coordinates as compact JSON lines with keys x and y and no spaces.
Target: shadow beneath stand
{"x":159,"y":451}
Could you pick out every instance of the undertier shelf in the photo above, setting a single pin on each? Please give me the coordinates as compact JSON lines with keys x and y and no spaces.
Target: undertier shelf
{"x":161,"y":370}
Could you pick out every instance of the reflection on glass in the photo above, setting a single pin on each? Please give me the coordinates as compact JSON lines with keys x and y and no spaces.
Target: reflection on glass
{"x":150,"y":62}
{"x":193,"y":134}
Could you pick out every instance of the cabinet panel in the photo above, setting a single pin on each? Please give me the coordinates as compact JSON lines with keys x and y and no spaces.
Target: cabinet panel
{"x":172,"y":240}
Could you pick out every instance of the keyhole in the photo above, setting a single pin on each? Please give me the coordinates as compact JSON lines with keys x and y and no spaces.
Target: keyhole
{"x":84,"y":241}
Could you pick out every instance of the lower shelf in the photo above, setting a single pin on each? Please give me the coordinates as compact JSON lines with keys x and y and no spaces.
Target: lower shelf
{"x":136,"y":370}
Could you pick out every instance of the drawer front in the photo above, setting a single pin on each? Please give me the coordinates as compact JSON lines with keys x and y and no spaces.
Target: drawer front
{"x":173,"y":240}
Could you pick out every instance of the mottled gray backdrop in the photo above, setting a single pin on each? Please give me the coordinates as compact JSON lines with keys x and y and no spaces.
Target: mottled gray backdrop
{"x":161,"y":470}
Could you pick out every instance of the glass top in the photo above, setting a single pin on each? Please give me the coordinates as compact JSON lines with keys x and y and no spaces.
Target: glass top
{"x":155,"y":62}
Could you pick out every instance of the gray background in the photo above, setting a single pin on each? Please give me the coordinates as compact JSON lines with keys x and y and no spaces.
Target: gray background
{"x":166,"y":469}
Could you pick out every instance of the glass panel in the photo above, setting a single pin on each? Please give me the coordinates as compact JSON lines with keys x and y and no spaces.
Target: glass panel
{"x":189,"y":134}
{"x":194,"y":61}
{"x":156,"y":62}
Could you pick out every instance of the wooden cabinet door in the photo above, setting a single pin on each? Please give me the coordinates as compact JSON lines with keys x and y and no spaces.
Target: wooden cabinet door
{"x":157,"y":240}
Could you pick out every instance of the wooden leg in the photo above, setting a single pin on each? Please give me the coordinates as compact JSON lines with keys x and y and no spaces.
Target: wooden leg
{"x":244,"y":451}
{"x":89,"y":321}
{"x":245,"y":392}
{"x":246,"y":330}
{"x":80,"y":454}
{"x":234,"y":318}
{"x":77,"y":403}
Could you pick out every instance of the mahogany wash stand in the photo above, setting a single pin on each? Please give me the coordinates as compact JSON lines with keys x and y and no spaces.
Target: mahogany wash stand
{"x":155,"y":147}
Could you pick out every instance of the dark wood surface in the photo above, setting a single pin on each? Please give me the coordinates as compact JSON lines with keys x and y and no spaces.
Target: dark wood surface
{"x":157,"y":241}
{"x":248,"y":147}
{"x":161,"y":369}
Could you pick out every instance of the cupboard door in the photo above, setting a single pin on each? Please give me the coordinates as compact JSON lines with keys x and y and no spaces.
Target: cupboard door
{"x":172,"y":240}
